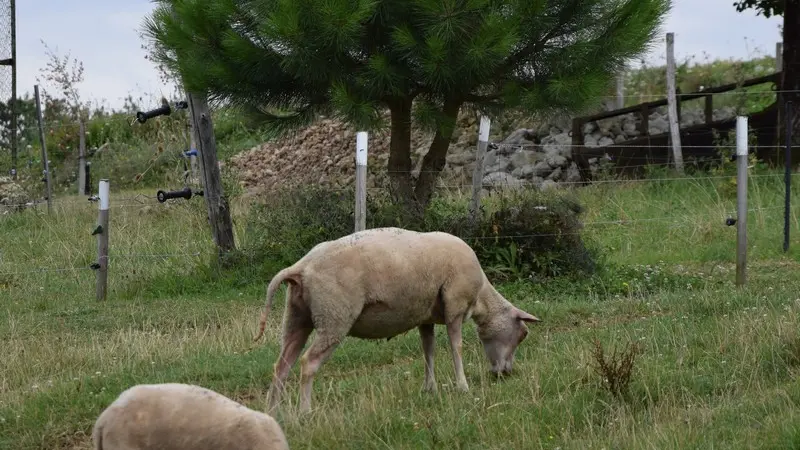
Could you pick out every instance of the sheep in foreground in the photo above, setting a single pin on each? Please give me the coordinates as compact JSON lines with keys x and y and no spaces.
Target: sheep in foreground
{"x":378,"y":283}
{"x":174,"y":416}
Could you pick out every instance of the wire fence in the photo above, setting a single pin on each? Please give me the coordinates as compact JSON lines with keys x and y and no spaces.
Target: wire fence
{"x":716,"y":215}
{"x":5,"y":29}
{"x":143,"y":200}
{"x":138,"y":247}
{"x":159,"y":152}
{"x":631,"y":161}
{"x":131,"y":121}
{"x":7,"y":68}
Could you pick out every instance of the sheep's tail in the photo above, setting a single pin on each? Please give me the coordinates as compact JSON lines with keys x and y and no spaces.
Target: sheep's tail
{"x":290,"y":274}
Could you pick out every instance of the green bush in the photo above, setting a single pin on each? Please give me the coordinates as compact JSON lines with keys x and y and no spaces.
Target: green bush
{"x":519,"y":236}
{"x":526,"y":234}
{"x":290,"y":222}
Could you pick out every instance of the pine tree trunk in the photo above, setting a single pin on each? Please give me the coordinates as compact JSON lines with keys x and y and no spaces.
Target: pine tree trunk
{"x":399,"y":164}
{"x":435,"y":159}
{"x":414,"y":198}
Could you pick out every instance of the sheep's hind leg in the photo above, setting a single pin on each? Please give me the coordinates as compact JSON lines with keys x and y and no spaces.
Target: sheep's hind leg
{"x":428,"y":345}
{"x":297,"y":327}
{"x":331,"y":328}
{"x":293,"y":343}
{"x":320,"y":350}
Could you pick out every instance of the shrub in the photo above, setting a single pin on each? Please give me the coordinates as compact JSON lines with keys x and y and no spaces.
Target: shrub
{"x":518,"y":236}
{"x":529,"y":233}
{"x":290,"y":222}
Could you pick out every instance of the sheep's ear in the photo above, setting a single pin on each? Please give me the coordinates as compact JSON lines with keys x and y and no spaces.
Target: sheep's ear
{"x":525,"y":317}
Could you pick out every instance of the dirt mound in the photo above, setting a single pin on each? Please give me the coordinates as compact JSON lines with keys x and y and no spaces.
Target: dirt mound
{"x":324,"y":154}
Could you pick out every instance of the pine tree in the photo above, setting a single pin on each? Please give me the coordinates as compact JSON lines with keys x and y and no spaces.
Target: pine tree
{"x":426,"y":60}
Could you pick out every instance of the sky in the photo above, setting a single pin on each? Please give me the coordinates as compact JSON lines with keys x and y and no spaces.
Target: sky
{"x":104,"y":35}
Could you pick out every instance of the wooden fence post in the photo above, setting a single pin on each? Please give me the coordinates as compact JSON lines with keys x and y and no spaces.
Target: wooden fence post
{"x":88,"y":185}
{"x":219,"y":214}
{"x":45,"y":162}
{"x":477,"y":172}
{"x":361,"y":181}
{"x":192,"y":152}
{"x":672,"y":110}
{"x":621,"y":90}
{"x":193,"y":157}
{"x":82,"y":159}
{"x":102,"y":241}
{"x":741,"y":200}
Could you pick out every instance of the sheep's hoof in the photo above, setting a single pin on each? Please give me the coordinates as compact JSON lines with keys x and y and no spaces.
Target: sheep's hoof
{"x":462,"y":386}
{"x":429,"y":387}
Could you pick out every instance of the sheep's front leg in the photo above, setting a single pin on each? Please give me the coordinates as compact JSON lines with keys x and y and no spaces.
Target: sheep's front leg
{"x":454,"y":333}
{"x":428,"y":345}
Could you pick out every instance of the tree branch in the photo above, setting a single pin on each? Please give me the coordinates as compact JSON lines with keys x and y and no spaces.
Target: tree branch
{"x":537,"y":46}
{"x":474,"y":98}
{"x":434,"y":160}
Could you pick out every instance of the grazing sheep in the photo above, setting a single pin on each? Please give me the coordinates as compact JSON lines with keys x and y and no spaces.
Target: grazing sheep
{"x":379,"y":283}
{"x":174,"y":416}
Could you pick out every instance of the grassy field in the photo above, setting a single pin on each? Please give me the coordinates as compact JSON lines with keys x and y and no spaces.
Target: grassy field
{"x":716,"y":366}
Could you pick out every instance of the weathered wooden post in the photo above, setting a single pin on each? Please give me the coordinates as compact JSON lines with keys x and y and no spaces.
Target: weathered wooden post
{"x":219,"y":214}
{"x":45,"y":162}
{"x":672,"y":110}
{"x":82,"y":159}
{"x":477,"y":173}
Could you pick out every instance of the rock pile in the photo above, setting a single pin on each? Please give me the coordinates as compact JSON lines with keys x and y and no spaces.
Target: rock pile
{"x":542,"y":156}
{"x":324,"y":154}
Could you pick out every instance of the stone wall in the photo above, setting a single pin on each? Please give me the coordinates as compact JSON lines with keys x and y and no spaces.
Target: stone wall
{"x":543,"y":155}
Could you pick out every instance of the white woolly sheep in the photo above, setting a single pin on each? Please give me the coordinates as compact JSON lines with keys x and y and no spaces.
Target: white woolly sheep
{"x":378,"y":283}
{"x":175,"y":416}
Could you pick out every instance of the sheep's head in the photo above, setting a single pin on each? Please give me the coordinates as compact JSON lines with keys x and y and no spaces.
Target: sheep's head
{"x":502,"y":334}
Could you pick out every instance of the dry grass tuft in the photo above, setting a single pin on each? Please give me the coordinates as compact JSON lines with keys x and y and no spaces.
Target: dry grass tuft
{"x":617,"y":370}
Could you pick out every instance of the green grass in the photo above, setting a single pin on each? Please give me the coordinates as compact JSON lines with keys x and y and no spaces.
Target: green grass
{"x":717,"y":370}
{"x":646,"y":84}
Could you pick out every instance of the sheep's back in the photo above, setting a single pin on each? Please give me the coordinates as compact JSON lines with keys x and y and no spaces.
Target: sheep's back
{"x":178,"y":416}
